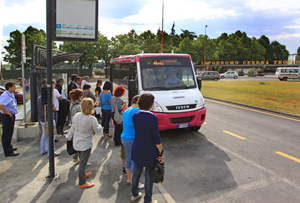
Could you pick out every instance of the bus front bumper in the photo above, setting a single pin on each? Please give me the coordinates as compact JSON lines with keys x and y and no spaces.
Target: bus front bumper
{"x":180,"y":120}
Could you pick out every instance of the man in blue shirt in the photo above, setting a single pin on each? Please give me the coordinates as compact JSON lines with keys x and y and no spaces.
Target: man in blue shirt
{"x":173,"y":79}
{"x":8,"y":108}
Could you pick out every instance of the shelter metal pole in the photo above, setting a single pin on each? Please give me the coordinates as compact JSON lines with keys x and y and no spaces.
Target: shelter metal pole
{"x":49,"y":10}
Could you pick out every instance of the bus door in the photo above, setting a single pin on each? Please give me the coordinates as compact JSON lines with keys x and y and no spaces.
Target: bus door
{"x":133,"y":85}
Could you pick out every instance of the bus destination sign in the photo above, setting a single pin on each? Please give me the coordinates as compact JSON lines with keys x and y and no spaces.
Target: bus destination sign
{"x":163,"y":62}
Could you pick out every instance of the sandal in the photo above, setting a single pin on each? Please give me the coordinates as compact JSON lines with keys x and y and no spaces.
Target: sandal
{"x":107,"y":135}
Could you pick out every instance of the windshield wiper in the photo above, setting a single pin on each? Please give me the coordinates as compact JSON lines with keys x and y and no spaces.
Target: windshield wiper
{"x":182,"y":87}
{"x":157,"y":88}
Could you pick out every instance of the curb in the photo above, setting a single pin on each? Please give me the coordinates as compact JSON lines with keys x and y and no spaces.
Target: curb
{"x":255,"y":107}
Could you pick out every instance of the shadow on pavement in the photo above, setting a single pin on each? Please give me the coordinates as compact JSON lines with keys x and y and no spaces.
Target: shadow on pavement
{"x":199,"y":167}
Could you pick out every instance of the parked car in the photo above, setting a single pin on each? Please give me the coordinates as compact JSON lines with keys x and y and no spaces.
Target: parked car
{"x":18,"y":94}
{"x":125,"y":80}
{"x":210,"y":75}
{"x":229,"y":74}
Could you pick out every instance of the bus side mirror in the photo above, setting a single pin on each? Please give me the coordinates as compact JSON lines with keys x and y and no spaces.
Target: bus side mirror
{"x":199,"y":82}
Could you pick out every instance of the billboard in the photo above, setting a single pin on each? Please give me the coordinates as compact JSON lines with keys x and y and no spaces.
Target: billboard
{"x":76,"y":20}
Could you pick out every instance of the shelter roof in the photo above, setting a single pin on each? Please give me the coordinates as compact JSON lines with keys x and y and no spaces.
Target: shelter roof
{"x":59,"y":58}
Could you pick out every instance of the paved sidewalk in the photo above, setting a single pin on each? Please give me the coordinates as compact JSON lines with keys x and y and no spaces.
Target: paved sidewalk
{"x":23,"y":178}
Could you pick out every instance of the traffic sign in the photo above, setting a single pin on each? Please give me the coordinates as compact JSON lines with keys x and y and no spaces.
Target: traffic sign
{"x":27,"y":88}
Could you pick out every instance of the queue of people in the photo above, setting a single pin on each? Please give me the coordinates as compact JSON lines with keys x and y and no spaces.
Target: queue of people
{"x":137,"y":132}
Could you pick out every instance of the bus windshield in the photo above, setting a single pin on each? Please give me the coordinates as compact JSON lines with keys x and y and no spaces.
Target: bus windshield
{"x":166,"y":74}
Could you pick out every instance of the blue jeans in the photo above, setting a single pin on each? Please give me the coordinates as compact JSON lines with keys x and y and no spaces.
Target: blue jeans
{"x":55,"y":114}
{"x":148,"y":183}
{"x":129,"y":164}
{"x":105,"y":120}
{"x":44,"y":140}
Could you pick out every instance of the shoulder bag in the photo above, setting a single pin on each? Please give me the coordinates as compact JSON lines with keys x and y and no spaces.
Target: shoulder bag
{"x":118,"y":117}
{"x":70,"y":147}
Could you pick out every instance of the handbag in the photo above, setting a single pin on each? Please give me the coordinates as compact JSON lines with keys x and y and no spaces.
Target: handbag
{"x":118,"y":117}
{"x":70,"y":147}
{"x":98,"y":102}
{"x":158,"y":172}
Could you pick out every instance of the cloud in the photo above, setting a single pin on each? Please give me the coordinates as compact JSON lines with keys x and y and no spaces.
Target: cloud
{"x":278,"y":7}
{"x":28,"y":13}
{"x":285,"y":36}
{"x":150,"y":16}
{"x":177,"y":10}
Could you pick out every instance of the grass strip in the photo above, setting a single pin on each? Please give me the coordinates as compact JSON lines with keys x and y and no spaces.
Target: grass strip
{"x":274,"y":95}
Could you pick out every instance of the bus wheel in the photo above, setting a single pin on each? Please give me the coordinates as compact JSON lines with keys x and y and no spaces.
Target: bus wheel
{"x":195,"y":128}
{"x":284,"y":79}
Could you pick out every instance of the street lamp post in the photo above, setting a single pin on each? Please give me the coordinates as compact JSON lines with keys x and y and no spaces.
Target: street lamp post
{"x":205,"y":47}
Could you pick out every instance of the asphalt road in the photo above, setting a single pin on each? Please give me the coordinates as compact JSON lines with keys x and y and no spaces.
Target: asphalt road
{"x":239,"y":155}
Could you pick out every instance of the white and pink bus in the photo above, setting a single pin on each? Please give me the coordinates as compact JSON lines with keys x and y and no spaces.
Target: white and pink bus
{"x":171,"y":79}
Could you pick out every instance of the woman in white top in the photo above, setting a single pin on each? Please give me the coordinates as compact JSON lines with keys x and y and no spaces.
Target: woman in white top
{"x":56,"y":98}
{"x":84,"y":126}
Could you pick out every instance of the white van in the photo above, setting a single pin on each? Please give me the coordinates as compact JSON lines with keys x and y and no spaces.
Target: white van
{"x":284,"y":73}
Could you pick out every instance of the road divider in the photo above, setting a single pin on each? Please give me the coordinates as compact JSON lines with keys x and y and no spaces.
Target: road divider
{"x":242,"y":138}
{"x":288,"y":156}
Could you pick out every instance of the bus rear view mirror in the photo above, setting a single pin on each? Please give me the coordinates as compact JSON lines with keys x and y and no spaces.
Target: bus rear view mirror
{"x":132,"y":90}
{"x":132,"y":87}
{"x":199,"y":82}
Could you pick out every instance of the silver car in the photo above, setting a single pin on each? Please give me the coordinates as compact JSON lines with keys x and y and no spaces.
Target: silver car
{"x":210,"y":75}
{"x":229,"y":74}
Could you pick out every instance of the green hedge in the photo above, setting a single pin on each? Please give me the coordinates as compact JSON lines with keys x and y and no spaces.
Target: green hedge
{"x":14,"y":74}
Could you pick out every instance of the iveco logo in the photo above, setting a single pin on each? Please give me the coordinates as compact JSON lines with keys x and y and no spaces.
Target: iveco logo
{"x":179,"y":97}
{"x":182,"y":107}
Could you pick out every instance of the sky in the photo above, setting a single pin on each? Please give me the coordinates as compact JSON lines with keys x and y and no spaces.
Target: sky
{"x":277,"y":19}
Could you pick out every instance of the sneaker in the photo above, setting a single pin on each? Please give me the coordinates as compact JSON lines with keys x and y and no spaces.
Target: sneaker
{"x":56,"y":154}
{"x":133,"y":198}
{"x":123,"y":172}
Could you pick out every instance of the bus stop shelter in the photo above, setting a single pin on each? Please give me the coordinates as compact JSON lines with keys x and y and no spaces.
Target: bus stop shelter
{"x":38,"y":73}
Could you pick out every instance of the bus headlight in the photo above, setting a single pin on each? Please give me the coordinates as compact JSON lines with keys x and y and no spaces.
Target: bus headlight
{"x":156,"y":107}
{"x":202,"y":104}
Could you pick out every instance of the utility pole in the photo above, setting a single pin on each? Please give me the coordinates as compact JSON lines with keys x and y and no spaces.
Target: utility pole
{"x":205,"y":47}
{"x":162,"y":32}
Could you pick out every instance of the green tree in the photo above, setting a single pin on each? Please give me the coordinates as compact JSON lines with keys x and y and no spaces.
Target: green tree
{"x":298,"y":54}
{"x":102,"y":50}
{"x":279,"y":51}
{"x":186,"y":47}
{"x":257,"y":51}
{"x":88,"y":48}
{"x":173,"y":33}
{"x":187,"y":33}
{"x":13,"y":49}
{"x":225,"y":51}
{"x":265,"y":42}
{"x":148,"y":42}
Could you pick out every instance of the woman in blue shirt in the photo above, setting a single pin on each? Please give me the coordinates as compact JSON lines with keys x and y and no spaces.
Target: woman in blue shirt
{"x":128,"y":135}
{"x":146,"y":147}
{"x":106,"y":97}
